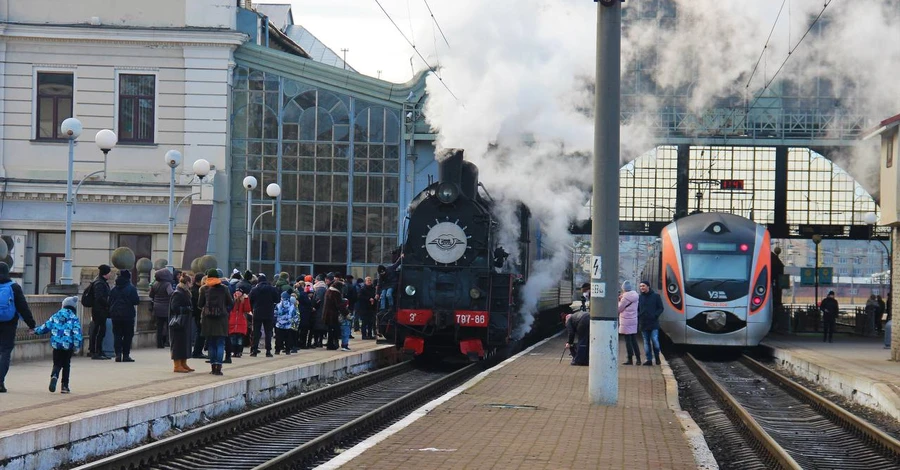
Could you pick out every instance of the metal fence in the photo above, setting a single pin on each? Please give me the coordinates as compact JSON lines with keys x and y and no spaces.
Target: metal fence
{"x":808,"y":318}
{"x":44,"y":306}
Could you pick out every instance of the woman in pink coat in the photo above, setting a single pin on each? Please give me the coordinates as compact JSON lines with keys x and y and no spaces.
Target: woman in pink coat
{"x":628,"y":321}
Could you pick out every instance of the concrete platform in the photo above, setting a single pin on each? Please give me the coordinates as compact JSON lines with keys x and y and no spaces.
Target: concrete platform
{"x":116,"y":405}
{"x":858,"y":368}
{"x":534,"y":413}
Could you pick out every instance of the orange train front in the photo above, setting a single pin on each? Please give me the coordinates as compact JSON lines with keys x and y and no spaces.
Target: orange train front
{"x":714,"y":274}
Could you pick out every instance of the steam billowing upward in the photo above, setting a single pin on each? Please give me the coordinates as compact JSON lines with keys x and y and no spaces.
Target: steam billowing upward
{"x":523,"y":71}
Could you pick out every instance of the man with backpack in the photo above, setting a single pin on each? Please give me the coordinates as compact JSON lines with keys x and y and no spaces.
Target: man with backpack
{"x":96,"y":297}
{"x":12,"y":307}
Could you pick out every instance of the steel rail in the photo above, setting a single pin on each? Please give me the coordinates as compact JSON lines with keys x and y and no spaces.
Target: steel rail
{"x":151,"y":453}
{"x":844,"y":417}
{"x":775,"y":452}
{"x":325,"y":442}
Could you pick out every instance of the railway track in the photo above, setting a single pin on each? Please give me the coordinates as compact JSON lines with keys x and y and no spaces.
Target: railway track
{"x":293,"y":433}
{"x":790,"y":426}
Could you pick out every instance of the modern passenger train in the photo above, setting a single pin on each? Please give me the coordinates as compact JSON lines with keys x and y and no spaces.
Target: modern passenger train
{"x":714,"y":274}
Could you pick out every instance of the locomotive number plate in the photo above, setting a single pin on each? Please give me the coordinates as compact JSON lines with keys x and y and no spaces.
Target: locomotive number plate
{"x":471,"y":318}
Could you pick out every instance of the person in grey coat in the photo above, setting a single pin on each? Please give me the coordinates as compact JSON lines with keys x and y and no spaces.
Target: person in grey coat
{"x":160,"y":294}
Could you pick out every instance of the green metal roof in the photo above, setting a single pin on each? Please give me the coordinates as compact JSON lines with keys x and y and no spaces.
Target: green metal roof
{"x":331,"y":78}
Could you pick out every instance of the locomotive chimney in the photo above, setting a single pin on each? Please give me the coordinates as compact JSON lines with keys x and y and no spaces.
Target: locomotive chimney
{"x":450,"y":169}
{"x":469,"y":180}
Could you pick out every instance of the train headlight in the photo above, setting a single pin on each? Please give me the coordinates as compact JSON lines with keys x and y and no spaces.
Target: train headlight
{"x":447,"y":193}
{"x":474,"y":293}
{"x":410,"y":290}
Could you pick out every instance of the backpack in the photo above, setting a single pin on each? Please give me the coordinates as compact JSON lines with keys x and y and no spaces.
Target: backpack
{"x":7,"y":302}
{"x":87,"y":297}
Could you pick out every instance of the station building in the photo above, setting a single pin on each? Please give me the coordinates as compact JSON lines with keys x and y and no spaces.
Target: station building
{"x":239,"y":85}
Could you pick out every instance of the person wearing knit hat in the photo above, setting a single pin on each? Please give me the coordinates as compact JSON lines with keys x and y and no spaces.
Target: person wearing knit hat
{"x":123,"y":298}
{"x":12,"y":308}
{"x":65,"y":338}
{"x":628,"y":321}
{"x":215,"y":303}
{"x":96,"y":296}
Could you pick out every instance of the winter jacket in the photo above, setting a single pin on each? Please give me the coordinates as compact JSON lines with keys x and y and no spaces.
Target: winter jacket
{"x":64,"y":329}
{"x":181,"y":304}
{"x":244,"y":286}
{"x":334,"y":307}
{"x":237,"y":321}
{"x":161,"y":292}
{"x":650,"y":308}
{"x":215,"y":304}
{"x":628,"y":313}
{"x":285,"y":314}
{"x":389,"y":277}
{"x":195,"y":298}
{"x":22,"y":310}
{"x":579,"y":323}
{"x":100,"y":310}
{"x":263,"y":298}
{"x":319,"y":290}
{"x":365,"y":301}
{"x":123,"y":298}
{"x":306,"y":311}
{"x":829,"y":306}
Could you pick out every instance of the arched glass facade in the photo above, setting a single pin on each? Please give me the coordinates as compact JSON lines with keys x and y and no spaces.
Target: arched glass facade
{"x":337,"y":159}
{"x":818,"y":191}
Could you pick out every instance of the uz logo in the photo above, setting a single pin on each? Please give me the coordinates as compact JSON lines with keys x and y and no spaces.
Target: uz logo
{"x":412,"y":316}
{"x":717,"y":294}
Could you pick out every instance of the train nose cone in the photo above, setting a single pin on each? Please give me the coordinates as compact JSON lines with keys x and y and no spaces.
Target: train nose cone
{"x":716,"y":320}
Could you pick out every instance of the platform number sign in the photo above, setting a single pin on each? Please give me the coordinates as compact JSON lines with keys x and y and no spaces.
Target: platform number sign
{"x":596,"y":268}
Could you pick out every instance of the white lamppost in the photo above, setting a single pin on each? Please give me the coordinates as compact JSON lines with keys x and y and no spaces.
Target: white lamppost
{"x":105,"y":140}
{"x":201,"y":169}
{"x":870,"y":219}
{"x":273,"y":191}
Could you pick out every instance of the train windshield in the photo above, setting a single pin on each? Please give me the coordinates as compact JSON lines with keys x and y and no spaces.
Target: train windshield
{"x":716,"y":266}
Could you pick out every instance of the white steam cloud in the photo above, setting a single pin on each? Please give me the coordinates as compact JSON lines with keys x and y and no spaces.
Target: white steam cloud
{"x":523,"y":71}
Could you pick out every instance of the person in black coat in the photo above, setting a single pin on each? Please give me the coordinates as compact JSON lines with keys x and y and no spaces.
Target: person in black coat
{"x":181,"y":305}
{"x":307,"y":312}
{"x":263,"y":298}
{"x":99,"y":311}
{"x":123,"y":298}
{"x":829,"y":308}
{"x":650,"y":307}
{"x":199,"y":340}
{"x":579,"y":324}
{"x":8,"y":328}
{"x":365,"y":308}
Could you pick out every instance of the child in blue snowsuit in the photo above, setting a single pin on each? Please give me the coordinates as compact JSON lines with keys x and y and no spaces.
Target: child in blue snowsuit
{"x":285,"y":317}
{"x":65,"y":338}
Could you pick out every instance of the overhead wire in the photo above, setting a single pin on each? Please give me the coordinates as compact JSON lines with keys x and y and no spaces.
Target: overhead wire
{"x":766,"y":45}
{"x":417,"y":50}
{"x":436,"y":23}
{"x":784,"y":62}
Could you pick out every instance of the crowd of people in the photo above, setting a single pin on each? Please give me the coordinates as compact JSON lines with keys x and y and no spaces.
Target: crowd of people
{"x":637,"y":313}
{"x":205,"y":313}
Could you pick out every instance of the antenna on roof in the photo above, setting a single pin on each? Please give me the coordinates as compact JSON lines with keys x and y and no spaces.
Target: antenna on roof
{"x":344,"y":50}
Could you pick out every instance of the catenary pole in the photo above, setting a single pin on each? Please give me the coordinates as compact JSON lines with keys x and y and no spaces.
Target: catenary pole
{"x":603,"y":374}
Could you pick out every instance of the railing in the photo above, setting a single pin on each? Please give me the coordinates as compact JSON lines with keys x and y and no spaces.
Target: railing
{"x":44,"y":306}
{"x":807,"y":318}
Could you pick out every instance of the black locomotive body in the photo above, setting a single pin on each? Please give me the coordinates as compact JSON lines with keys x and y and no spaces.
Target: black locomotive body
{"x":457,"y":292}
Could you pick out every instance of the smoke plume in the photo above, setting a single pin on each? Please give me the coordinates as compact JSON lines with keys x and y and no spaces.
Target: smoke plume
{"x":523,"y":71}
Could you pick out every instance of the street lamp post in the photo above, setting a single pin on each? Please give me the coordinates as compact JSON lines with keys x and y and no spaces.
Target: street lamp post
{"x":201,"y":169}
{"x":105,"y":140}
{"x":273,"y":191}
{"x":870,"y":218}
{"x":817,"y":239}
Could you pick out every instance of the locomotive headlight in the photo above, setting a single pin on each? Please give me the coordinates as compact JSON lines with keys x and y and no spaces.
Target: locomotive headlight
{"x":474,"y":293}
{"x":410,"y":290}
{"x":447,"y":193}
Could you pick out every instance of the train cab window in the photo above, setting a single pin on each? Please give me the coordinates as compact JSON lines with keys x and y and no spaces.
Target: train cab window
{"x":716,"y":266}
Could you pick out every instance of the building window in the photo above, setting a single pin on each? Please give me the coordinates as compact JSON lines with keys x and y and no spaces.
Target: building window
{"x":141,"y":245}
{"x":137,"y":108}
{"x":54,"y":103}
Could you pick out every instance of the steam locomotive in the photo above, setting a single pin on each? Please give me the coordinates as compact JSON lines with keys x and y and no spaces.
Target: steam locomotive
{"x":459,"y":293}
